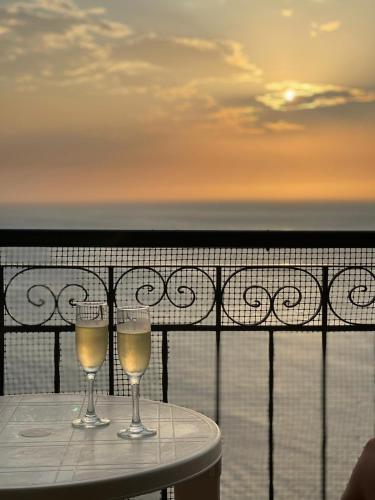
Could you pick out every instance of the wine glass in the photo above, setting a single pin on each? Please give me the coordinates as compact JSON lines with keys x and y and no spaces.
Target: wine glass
{"x":134,"y":351}
{"x":91,"y":349}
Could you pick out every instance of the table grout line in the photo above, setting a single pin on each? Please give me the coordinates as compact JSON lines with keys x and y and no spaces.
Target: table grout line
{"x":171,"y":408}
{"x":159,"y":436}
{"x":65,"y":451}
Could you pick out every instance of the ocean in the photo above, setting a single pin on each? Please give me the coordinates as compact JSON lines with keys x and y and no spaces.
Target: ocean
{"x":244,"y":395}
{"x":255,"y":216}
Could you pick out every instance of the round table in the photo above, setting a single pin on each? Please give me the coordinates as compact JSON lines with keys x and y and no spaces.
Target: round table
{"x":43,"y":457}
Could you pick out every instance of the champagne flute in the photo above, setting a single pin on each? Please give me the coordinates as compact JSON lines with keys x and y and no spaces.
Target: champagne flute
{"x":91,"y":348}
{"x":134,"y":351}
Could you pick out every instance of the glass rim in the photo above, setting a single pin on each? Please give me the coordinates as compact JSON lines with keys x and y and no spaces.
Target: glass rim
{"x":133,"y":308}
{"x":90,"y":303}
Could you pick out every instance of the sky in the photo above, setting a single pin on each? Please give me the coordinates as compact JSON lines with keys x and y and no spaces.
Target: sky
{"x":186,"y":100}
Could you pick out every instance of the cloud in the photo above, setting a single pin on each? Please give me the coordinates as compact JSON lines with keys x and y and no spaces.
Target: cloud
{"x":60,"y":44}
{"x":196,"y":43}
{"x":48,"y":9}
{"x":129,"y":68}
{"x":81,"y":46}
{"x":311,"y":96}
{"x":331,"y":26}
{"x":237,"y":119}
{"x":189,"y":57}
{"x":287,"y":12}
{"x":235,"y":56}
{"x":41,"y":26}
{"x":328,"y":27}
{"x":283,"y":126}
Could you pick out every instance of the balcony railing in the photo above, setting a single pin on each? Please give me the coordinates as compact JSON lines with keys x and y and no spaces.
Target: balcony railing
{"x":269,"y":333}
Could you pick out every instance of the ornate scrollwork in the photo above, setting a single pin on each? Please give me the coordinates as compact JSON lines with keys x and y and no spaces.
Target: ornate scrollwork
{"x":288,"y":303}
{"x":351,"y":291}
{"x":196,"y":295}
{"x":186,"y":288}
{"x":49,"y":301}
{"x":140,"y":285}
{"x":250,"y":296}
{"x":38,"y":295}
{"x":70,"y":299}
{"x":257,"y":302}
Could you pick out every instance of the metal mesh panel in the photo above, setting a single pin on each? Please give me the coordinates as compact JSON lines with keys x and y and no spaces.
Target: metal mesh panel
{"x":119,"y":256}
{"x":297,"y":415}
{"x":239,"y":334}
{"x":29,"y":362}
{"x":191,"y":370}
{"x":244,"y":412}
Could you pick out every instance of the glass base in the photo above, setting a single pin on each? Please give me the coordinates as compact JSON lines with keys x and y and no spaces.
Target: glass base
{"x":136,"y":432}
{"x":90,"y":422}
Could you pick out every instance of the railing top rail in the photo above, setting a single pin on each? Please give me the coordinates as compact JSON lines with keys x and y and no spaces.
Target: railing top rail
{"x":186,"y":238}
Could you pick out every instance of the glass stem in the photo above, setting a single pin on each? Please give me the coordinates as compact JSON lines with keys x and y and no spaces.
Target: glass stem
{"x":136,"y":420}
{"x":90,"y":388}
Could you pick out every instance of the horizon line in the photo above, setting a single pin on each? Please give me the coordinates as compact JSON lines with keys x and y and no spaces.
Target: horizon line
{"x":107,"y":203}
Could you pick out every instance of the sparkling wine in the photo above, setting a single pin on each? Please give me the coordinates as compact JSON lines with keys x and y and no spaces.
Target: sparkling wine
{"x":91,"y":344}
{"x":134,"y":350}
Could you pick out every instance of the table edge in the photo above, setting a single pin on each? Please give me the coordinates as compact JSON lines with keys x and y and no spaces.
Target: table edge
{"x":202,"y":461}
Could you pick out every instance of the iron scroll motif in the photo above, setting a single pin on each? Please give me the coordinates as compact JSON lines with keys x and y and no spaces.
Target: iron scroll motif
{"x":351,"y":292}
{"x":148,"y":289}
{"x":295,"y":303}
{"x":189,"y":290}
{"x":250,"y":296}
{"x":46,"y":301}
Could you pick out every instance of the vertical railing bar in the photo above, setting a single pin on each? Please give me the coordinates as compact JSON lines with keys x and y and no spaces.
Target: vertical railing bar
{"x":164,"y":359}
{"x":325,"y":299}
{"x":111,"y":301}
{"x":373,"y":380}
{"x":56,"y":360}
{"x":271,"y":379}
{"x":218,"y":302}
{"x":2,"y":330}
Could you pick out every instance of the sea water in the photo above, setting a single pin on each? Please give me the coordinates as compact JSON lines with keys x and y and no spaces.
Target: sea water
{"x":255,"y":216}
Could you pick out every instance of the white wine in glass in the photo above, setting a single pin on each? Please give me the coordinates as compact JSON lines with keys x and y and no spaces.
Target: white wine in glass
{"x":91,"y":348}
{"x":134,"y":351}
{"x":91,"y":344}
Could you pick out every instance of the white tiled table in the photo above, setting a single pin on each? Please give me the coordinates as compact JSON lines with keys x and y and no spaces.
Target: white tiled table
{"x":43,"y":457}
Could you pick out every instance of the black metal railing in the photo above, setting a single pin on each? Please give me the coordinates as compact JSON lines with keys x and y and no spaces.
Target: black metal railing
{"x":219,"y":281}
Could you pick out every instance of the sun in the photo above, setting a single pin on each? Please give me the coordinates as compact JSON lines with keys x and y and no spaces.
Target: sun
{"x":289,"y":95}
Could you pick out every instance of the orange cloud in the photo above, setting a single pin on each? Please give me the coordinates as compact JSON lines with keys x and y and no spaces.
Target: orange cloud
{"x":287,"y":12}
{"x":283,"y":126}
{"x":328,"y":27}
{"x":311,"y":95}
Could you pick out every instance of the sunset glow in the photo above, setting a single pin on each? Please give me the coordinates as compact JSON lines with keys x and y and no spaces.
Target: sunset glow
{"x":122,"y":101}
{"x":289,"y":95}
